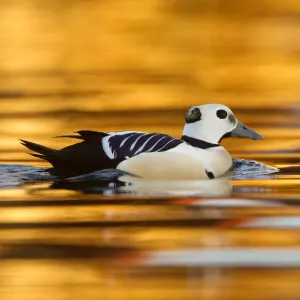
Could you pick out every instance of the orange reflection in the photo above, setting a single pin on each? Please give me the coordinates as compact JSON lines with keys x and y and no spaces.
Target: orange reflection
{"x":115,"y":65}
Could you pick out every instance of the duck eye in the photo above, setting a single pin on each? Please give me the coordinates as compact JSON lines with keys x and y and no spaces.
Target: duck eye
{"x":222,"y":114}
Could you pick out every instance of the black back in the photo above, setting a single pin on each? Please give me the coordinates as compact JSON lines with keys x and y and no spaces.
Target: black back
{"x":84,"y":157}
{"x":89,"y":156}
{"x":80,"y":158}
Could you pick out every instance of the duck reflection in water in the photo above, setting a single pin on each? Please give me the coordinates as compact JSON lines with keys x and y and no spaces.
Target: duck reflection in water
{"x":111,"y":182}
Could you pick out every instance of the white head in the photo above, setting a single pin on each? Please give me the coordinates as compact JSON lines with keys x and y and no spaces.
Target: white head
{"x":213,"y":122}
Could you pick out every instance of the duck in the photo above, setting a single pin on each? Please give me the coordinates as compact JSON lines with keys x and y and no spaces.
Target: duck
{"x":198,"y":154}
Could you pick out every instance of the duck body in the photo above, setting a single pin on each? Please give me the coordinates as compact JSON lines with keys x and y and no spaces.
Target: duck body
{"x":197,"y":155}
{"x":148,"y":155}
{"x":181,"y":162}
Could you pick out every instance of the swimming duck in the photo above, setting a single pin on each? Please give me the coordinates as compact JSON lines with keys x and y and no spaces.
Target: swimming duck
{"x":197,"y":155}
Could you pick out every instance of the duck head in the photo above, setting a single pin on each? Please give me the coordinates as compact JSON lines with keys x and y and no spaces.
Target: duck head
{"x":214,"y":122}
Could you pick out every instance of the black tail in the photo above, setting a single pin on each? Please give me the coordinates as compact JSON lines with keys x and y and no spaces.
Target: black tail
{"x":80,"y":158}
{"x":44,"y":152}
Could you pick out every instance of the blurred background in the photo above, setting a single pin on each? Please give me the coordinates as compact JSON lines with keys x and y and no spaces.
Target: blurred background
{"x":114,"y":64}
{"x":109,"y":65}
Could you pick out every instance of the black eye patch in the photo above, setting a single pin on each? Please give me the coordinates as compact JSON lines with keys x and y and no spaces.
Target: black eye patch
{"x":193,"y":115}
{"x":222,"y":114}
{"x":232,"y":119}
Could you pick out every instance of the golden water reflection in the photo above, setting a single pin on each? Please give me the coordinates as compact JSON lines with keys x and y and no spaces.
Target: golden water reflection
{"x":115,"y":65}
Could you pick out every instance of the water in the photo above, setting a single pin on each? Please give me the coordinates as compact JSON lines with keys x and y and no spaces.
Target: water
{"x":85,"y":237}
{"x":137,"y":65}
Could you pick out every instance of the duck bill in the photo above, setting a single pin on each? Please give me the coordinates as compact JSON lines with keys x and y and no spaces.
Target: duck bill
{"x":242,"y":131}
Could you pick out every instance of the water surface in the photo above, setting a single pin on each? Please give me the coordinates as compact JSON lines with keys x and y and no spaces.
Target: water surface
{"x":114,"y":65}
{"x":84,"y":237}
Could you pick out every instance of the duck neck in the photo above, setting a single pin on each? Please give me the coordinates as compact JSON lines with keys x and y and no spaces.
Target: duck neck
{"x":198,"y":143}
{"x":199,"y":137}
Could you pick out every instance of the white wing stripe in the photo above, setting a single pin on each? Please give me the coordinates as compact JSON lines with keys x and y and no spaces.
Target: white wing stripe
{"x":133,"y":145}
{"x":164,"y":145}
{"x":156,"y":144}
{"x":143,"y":146}
{"x":124,"y":141}
{"x":106,"y":147}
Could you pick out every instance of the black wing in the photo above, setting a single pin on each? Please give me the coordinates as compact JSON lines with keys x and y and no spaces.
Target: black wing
{"x":83,"y":157}
{"x":128,"y":144}
{"x":91,"y":154}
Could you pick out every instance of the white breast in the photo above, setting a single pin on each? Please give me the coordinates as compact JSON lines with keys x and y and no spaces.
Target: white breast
{"x":181,"y":162}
